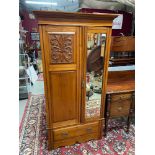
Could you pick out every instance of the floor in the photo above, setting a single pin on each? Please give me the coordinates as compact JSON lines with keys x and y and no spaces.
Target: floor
{"x":37,"y":88}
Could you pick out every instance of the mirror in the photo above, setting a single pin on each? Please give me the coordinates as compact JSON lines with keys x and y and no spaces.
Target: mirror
{"x":94,"y":73}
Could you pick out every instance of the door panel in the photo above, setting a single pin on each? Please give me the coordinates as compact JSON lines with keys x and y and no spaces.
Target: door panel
{"x":63,"y":74}
{"x":62,"y":47}
{"x":63,"y":95}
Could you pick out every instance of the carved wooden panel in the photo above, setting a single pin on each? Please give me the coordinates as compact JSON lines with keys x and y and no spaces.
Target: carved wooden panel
{"x":62,"y":47}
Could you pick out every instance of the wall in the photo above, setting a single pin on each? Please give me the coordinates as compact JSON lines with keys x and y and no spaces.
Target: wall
{"x":127,"y":20}
{"x":31,"y":25}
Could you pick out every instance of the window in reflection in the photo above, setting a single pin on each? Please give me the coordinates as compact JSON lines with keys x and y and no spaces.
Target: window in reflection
{"x":95,"y":60}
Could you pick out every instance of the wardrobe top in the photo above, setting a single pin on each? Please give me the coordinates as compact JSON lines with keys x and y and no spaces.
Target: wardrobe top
{"x":50,"y":15}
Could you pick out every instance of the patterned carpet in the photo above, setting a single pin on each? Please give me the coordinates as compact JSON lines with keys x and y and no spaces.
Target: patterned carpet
{"x":33,"y":136}
{"x":93,"y":108}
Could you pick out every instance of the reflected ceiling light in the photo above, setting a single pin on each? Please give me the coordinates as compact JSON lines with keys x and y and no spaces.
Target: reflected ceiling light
{"x":46,"y":3}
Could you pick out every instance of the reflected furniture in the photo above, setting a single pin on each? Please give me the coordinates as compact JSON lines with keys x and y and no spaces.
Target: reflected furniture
{"x":122,"y":51}
{"x":72,"y":44}
{"x":120,"y":96}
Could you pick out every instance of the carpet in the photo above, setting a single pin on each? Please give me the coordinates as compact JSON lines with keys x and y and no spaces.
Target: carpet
{"x":40,"y":77}
{"x":33,"y":135}
{"x":92,"y":108}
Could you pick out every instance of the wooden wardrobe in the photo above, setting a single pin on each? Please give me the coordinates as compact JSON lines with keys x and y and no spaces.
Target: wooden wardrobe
{"x":75,"y":96}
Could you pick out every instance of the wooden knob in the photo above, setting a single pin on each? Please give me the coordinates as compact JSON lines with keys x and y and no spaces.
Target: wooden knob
{"x":119,"y":108}
{"x":64,"y":134}
{"x":89,"y":130}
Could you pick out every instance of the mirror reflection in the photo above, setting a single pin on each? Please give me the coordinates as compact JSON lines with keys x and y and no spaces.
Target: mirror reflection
{"x":95,"y":61}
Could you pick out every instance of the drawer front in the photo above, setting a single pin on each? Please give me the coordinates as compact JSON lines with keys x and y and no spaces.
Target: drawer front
{"x":120,"y":108}
{"x":69,"y":132}
{"x":79,"y":139}
{"x":118,"y":97}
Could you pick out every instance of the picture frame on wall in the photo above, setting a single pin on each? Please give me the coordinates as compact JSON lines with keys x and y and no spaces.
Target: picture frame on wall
{"x":35,"y":36}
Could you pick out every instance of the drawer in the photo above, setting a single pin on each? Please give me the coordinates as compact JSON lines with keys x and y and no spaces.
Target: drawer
{"x":117,"y":97}
{"x":120,"y":108}
{"x":79,"y":139}
{"x":69,"y":132}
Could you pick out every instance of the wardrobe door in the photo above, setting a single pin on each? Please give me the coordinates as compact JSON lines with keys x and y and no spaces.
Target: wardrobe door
{"x":62,"y":62}
{"x":95,"y":72}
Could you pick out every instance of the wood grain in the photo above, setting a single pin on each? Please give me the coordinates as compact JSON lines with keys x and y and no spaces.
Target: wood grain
{"x":48,"y":15}
{"x":120,"y":108}
{"x":120,"y":97}
{"x":120,"y":81}
{"x":63,"y":95}
{"x":46,"y":88}
{"x":123,"y":43}
{"x":80,"y":139}
{"x":75,"y":131}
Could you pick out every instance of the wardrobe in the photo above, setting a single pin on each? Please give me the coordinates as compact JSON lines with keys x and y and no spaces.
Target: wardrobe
{"x":75,"y":53}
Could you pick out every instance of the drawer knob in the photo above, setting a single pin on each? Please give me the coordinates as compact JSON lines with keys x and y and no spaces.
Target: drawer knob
{"x":64,"y":134}
{"x":89,"y":130}
{"x":120,"y":108}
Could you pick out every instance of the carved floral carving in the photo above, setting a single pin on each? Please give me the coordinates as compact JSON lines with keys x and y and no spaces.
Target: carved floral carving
{"x":61,"y":48}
